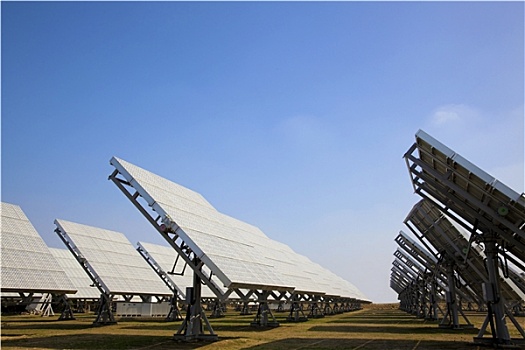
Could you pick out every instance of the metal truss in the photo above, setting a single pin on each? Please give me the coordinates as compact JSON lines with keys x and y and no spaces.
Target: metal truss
{"x":174,"y":313}
{"x":104,"y":313}
{"x":168,"y":229}
{"x":480,"y":208}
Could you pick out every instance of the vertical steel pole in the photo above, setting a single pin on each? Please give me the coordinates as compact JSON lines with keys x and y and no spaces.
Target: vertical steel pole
{"x":451,"y":297}
{"x":493,"y":295}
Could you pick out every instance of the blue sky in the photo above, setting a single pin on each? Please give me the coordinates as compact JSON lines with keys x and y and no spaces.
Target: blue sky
{"x":292,"y":116}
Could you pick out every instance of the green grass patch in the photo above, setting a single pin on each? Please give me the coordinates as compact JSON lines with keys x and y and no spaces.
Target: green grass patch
{"x":370,"y":329}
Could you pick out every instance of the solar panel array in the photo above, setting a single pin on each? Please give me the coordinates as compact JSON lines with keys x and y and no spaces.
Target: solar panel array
{"x":27,"y":264}
{"x":111,"y":257}
{"x":463,"y":190}
{"x":429,"y":223}
{"x":77,"y":275}
{"x":238,"y":254}
{"x":462,"y":207}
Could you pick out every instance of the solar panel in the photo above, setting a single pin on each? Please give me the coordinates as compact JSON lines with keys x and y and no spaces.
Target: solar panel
{"x":111,"y":257}
{"x":433,"y":226}
{"x":492,"y":212}
{"x":27,"y":264}
{"x":430,"y":262}
{"x":218,"y":241}
{"x":412,"y":265}
{"x":221,"y":250}
{"x":462,"y":189}
{"x":238,"y":254}
{"x":417,"y":251}
{"x":517,"y":278}
{"x":77,"y":275}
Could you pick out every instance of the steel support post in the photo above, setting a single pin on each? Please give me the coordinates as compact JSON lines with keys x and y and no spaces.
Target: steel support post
{"x":315,"y":311}
{"x":67,"y":311}
{"x":216,"y":309}
{"x":46,"y":308}
{"x":433,"y":299}
{"x":174,"y":313}
{"x":264,"y":313}
{"x":492,"y":296}
{"x":192,"y":327}
{"x":296,"y":311}
{"x":104,"y":313}
{"x":245,"y":310}
{"x":451,"y":318}
{"x":422,"y":307}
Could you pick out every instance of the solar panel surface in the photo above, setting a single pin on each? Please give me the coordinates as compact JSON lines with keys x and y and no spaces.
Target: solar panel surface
{"x":27,"y":264}
{"x":114,"y":259}
{"x":470,"y":192}
{"x":76,"y":274}
{"x":434,"y":226}
{"x":240,"y":254}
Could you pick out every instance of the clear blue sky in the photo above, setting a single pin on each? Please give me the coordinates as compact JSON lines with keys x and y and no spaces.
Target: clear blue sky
{"x":290,"y":116}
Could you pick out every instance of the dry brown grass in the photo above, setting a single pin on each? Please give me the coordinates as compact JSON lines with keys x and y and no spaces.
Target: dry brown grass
{"x":378,"y":326}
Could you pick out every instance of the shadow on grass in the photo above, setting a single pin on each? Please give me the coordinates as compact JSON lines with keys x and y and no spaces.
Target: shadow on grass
{"x":379,"y":321}
{"x":144,"y":320}
{"x":49,"y":325}
{"x":431,"y":329}
{"x":241,"y":328}
{"x":217,"y":328}
{"x":104,"y":341}
{"x":363,"y":344}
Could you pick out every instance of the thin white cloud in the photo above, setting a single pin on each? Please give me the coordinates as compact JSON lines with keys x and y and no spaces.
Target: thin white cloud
{"x":453,"y":114}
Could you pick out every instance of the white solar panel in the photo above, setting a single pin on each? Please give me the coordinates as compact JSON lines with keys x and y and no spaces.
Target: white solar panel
{"x":27,"y":264}
{"x":239,"y":253}
{"x":443,"y":175}
{"x":432,"y":225}
{"x":76,"y":274}
{"x":114,"y":259}
{"x":217,"y":239}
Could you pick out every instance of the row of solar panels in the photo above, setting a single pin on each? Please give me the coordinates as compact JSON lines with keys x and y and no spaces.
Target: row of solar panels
{"x":446,"y":254}
{"x":235,"y":258}
{"x":229,"y":255}
{"x":29,"y":266}
{"x":471,"y":250}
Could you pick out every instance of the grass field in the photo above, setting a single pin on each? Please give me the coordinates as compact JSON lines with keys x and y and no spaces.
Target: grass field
{"x":375,"y":327}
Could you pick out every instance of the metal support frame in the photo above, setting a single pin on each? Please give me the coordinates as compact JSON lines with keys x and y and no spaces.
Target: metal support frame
{"x":315,"y":310}
{"x":428,"y":281}
{"x":328,"y":310}
{"x":245,"y":308}
{"x":159,"y":270}
{"x":168,"y":230}
{"x":192,"y":328}
{"x":264,"y":316}
{"x":451,"y":318}
{"x":440,"y":190}
{"x":174,"y":313}
{"x":434,"y":306}
{"x":217,"y":309}
{"x":104,"y":313}
{"x":495,"y":303}
{"x":446,"y":193}
{"x":67,"y":311}
{"x":296,"y":310}
{"x":44,"y":305}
